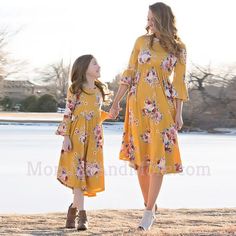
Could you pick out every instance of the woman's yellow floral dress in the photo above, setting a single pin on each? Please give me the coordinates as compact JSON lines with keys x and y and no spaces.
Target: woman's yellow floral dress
{"x":150,"y":137}
{"x":82,"y":167}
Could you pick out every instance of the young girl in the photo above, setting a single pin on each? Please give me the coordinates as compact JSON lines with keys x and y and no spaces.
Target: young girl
{"x":81,"y":162}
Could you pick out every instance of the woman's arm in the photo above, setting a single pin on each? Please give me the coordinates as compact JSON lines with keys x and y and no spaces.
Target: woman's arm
{"x":180,"y":87}
{"x":178,"y":116}
{"x":179,"y":106}
{"x":126,"y":79}
{"x":115,"y":108}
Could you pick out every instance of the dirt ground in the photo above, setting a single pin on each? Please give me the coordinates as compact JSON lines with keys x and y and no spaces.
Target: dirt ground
{"x":124,"y":222}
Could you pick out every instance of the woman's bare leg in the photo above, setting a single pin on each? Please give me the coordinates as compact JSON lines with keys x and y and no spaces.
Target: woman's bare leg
{"x":155,"y":182}
{"x":143,"y":177}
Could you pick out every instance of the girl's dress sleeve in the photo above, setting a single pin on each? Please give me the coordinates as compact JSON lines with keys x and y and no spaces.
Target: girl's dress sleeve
{"x":179,"y":83}
{"x":129,"y":73}
{"x":64,"y":127}
{"x":104,"y":116}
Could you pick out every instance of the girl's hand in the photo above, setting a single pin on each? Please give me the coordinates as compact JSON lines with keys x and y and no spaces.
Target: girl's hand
{"x":67,"y":146}
{"x":178,"y":121}
{"x":114,"y":111}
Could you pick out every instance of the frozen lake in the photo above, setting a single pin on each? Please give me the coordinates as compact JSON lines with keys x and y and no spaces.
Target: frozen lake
{"x":30,"y":155}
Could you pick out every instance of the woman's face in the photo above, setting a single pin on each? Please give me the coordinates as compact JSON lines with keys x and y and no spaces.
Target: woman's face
{"x":150,"y":22}
{"x":93,"y":70}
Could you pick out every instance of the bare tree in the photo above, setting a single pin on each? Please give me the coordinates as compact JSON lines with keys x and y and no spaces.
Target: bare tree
{"x":57,"y":75}
{"x":202,"y":76}
{"x":3,"y":54}
{"x":8,"y":65}
{"x":114,"y":84}
{"x":212,"y":97}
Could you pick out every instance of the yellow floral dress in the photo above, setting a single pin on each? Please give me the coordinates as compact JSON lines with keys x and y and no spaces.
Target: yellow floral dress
{"x":150,"y":137}
{"x":82,"y":167}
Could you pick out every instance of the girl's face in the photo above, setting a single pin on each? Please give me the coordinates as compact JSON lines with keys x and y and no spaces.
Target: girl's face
{"x":150,"y":22}
{"x":93,"y":70}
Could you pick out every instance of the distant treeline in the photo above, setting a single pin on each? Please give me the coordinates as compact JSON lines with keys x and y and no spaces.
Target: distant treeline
{"x":45,"y":103}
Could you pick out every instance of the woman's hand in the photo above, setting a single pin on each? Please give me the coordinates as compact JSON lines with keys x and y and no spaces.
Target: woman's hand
{"x":67,"y":146}
{"x":114,"y":111}
{"x":178,"y":121}
{"x":178,"y":116}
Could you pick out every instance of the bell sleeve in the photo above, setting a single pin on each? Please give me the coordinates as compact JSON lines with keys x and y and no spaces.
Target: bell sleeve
{"x":129,"y":73}
{"x":64,"y":127}
{"x":179,"y":83}
{"x":104,"y":116}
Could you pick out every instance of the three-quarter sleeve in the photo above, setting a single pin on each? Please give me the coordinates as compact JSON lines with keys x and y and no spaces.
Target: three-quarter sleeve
{"x":179,"y":83}
{"x":64,"y":127}
{"x":104,"y":116}
{"x":129,"y":73}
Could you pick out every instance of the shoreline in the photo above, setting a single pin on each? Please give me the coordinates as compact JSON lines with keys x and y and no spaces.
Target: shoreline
{"x":55,"y":118}
{"x":169,"y":222}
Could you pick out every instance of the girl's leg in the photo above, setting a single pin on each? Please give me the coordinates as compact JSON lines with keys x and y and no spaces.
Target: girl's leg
{"x":155,"y":183}
{"x":144,"y":179}
{"x":79,"y":204}
{"x":78,"y":201}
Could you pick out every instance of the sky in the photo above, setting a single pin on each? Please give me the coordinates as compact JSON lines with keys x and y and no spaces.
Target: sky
{"x":49,"y":30}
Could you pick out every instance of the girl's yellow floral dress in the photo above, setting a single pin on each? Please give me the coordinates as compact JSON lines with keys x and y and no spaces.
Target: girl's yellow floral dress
{"x":82,"y":167}
{"x":150,"y":137}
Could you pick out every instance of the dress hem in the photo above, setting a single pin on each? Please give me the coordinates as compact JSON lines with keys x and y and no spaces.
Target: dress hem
{"x":135,"y":167}
{"x":85,"y":193}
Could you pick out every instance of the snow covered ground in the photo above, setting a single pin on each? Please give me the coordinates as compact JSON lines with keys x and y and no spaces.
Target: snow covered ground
{"x":29,"y":155}
{"x":31,"y":116}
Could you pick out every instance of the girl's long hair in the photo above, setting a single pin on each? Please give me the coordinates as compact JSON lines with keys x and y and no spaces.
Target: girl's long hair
{"x":78,"y":76}
{"x":164,"y":22}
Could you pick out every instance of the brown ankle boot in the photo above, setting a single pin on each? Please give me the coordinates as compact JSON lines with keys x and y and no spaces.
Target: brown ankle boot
{"x":82,"y":221}
{"x":71,"y":215}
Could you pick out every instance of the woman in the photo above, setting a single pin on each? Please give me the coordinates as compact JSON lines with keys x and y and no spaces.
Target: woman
{"x":154,"y":105}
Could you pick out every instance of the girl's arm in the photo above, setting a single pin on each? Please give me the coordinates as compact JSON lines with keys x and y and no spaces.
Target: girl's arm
{"x":105,"y":115}
{"x":64,"y":127}
{"x":67,"y":145}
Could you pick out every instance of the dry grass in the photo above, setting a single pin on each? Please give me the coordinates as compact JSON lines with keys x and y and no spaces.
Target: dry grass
{"x":124,"y":222}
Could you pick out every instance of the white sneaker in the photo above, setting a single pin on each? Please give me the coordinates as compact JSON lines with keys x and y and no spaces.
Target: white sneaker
{"x":154,"y":209}
{"x":147,"y":220}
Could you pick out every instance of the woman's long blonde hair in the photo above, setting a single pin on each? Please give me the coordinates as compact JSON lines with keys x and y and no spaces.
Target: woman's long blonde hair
{"x":78,"y":76}
{"x":164,"y":22}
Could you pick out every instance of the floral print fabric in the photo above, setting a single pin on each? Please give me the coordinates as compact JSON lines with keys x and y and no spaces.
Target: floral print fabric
{"x":82,"y":167}
{"x":150,"y":137}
